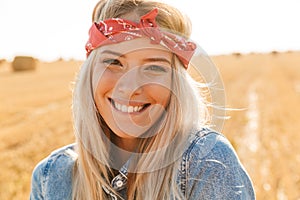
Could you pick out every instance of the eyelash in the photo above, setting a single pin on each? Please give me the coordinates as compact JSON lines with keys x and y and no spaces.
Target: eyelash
{"x":112,"y":62}
{"x":156,"y":68}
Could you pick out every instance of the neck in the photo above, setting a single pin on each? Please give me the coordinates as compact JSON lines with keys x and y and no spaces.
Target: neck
{"x":127,"y":144}
{"x":126,"y":148}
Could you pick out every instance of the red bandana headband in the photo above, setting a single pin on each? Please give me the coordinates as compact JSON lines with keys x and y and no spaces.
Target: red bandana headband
{"x":117,"y":30}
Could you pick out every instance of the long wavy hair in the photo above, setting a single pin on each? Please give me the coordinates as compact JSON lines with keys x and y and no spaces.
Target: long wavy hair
{"x":185,"y":112}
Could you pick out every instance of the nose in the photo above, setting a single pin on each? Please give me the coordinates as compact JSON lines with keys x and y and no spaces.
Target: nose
{"x":129,"y":83}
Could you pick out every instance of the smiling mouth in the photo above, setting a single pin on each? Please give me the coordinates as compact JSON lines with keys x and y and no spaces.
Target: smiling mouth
{"x":128,"y":109}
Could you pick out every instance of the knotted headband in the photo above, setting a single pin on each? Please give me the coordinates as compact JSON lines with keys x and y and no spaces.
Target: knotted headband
{"x":117,"y":30}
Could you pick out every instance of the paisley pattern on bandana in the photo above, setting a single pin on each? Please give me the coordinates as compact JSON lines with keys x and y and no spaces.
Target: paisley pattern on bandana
{"x":117,"y":30}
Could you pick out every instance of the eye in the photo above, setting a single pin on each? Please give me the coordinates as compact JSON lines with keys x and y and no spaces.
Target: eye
{"x":111,"y":61}
{"x":155,"y":68}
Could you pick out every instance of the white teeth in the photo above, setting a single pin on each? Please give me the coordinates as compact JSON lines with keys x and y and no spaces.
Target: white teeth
{"x":128,"y":109}
{"x":135,"y":108}
{"x":124,"y":108}
{"x":118,"y":106}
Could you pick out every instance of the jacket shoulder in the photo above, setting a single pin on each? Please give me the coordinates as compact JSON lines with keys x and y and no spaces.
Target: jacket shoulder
{"x":59,"y":160}
{"x":53,"y":175}
{"x":210,"y":144}
{"x":213,"y":169}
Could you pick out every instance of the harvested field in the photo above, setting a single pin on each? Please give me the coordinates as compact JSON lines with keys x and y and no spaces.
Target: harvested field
{"x":266,"y":132}
{"x":262,"y":89}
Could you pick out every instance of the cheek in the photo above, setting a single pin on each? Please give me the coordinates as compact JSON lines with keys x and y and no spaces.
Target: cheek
{"x":160,"y":94}
{"x":103,"y":84}
{"x":158,"y":89}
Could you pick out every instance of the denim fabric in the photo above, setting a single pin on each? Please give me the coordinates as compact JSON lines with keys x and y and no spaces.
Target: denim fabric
{"x":210,"y":169}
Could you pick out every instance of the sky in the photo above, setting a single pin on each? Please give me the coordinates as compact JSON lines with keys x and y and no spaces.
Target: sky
{"x":52,"y":29}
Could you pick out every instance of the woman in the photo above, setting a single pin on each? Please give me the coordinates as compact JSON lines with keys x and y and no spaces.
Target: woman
{"x":139,"y":119}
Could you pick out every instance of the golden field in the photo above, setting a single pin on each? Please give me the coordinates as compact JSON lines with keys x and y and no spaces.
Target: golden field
{"x":262,"y":89}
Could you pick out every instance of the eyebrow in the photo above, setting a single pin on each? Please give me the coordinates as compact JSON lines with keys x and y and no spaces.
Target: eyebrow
{"x":113,"y":52}
{"x":154,"y":59}
{"x":157,"y":60}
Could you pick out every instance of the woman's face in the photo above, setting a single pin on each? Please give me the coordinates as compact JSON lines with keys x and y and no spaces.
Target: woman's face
{"x":131,"y":82}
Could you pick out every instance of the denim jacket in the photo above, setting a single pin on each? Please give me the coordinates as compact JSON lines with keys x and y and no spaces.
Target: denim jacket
{"x":209,"y":169}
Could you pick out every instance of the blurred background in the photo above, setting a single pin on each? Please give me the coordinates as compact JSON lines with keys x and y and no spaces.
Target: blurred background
{"x":255,"y":45}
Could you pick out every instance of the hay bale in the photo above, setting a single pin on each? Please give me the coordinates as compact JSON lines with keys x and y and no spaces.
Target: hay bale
{"x":274,"y":52}
{"x":237,"y":54}
{"x":2,"y":61}
{"x":23,"y":63}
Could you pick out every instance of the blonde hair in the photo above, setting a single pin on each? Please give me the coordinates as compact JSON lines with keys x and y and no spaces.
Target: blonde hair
{"x":92,"y":172}
{"x":168,"y":17}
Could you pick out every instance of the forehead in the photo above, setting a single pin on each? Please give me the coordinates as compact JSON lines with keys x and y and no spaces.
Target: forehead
{"x":136,"y":45}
